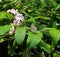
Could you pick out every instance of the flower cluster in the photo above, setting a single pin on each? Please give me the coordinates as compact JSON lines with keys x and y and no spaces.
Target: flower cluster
{"x":18,"y":18}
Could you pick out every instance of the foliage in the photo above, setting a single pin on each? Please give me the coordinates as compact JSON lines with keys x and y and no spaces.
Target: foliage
{"x":39,"y":33}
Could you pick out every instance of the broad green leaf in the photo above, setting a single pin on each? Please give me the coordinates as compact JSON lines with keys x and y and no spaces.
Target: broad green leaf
{"x":56,"y":55}
{"x":4,"y":29}
{"x":46,"y":47}
{"x":20,"y":34}
{"x":33,"y":39}
{"x":55,"y":34}
{"x":5,"y":15}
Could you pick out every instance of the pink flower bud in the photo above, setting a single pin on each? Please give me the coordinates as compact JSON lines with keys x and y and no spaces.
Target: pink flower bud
{"x":12,"y":30}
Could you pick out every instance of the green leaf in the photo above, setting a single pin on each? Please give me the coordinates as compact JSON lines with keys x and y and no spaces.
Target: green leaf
{"x":5,"y":15}
{"x":54,"y":24}
{"x":20,"y":35}
{"x":9,"y":16}
{"x":2,"y":15}
{"x":55,"y":34}
{"x":29,"y":10}
{"x":53,"y":2}
{"x":32,"y":19}
{"x":42,"y":17}
{"x":58,"y":16}
{"x":46,"y":47}
{"x":56,"y":55}
{"x":33,"y":39}
{"x":4,"y":29}
{"x":57,"y":7}
{"x":2,"y":40}
{"x":14,"y":43}
{"x":43,"y":2}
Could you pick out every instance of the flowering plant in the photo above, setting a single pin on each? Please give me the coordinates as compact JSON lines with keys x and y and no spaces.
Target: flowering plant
{"x":30,"y":28}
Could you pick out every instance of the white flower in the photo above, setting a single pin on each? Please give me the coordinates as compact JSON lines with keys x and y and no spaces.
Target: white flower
{"x":9,"y":10}
{"x":13,"y":11}
{"x":19,"y":17}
